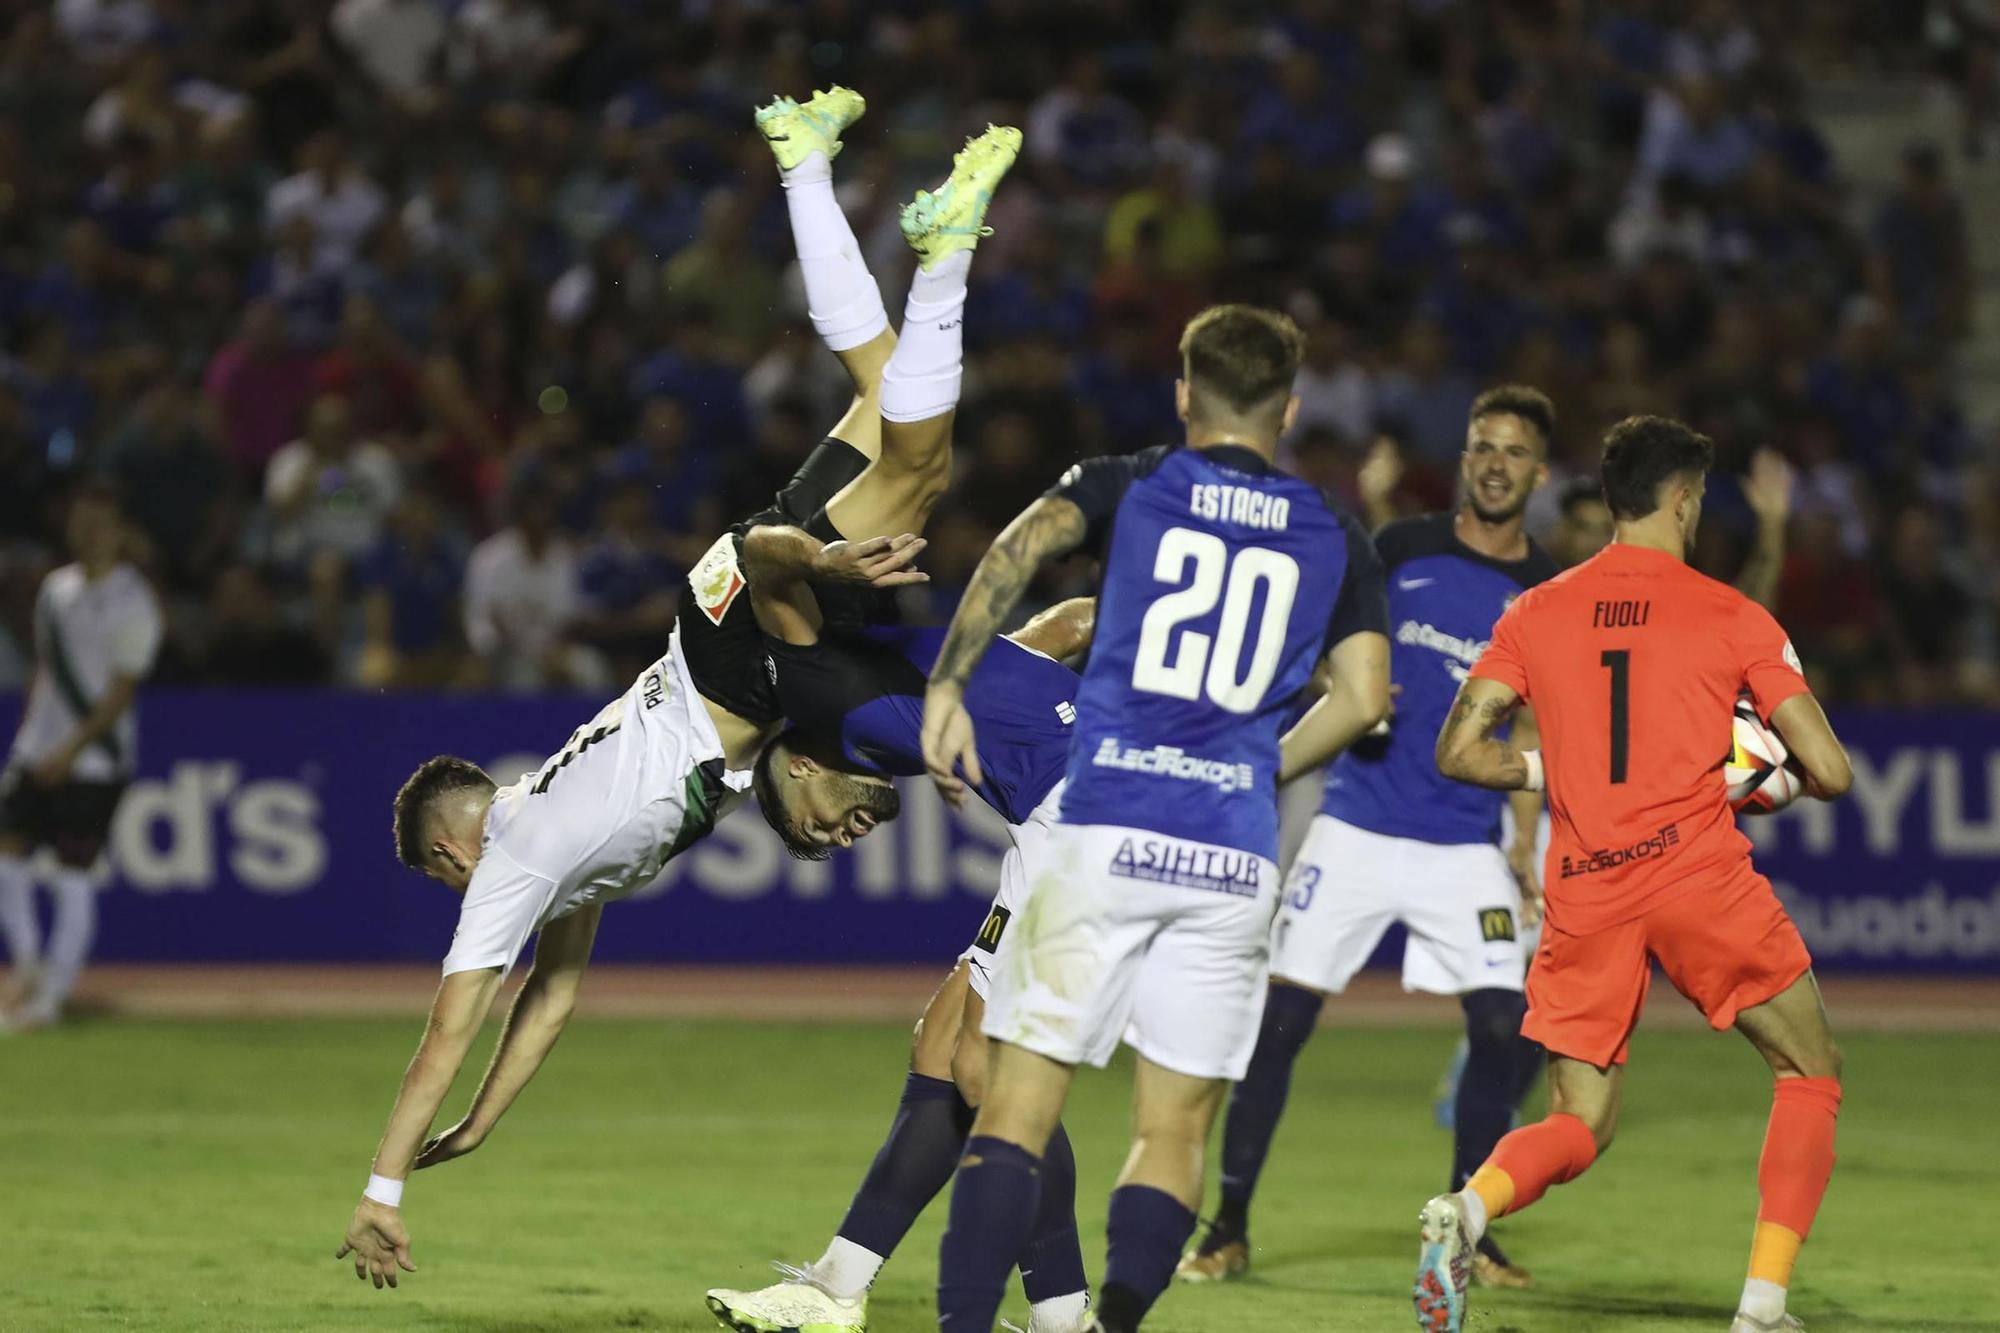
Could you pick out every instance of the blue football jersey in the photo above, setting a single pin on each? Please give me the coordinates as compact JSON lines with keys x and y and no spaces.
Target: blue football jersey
{"x":1224,"y":583}
{"x":866,"y":695}
{"x":1444,"y":598}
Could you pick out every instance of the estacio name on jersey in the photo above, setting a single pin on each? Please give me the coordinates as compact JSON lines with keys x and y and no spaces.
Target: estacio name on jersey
{"x":1170,"y":761}
{"x":1418,"y":635}
{"x":1218,"y":869}
{"x":1245,"y":505}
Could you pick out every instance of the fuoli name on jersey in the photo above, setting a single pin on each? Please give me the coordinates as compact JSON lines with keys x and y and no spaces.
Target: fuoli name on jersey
{"x":1189,"y":866}
{"x":1418,"y":635}
{"x":1170,"y":761}
{"x":1243,"y":505}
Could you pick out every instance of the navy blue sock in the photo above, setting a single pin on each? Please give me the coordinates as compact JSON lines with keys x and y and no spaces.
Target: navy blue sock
{"x":1259,"y":1100}
{"x":1486,"y":1092}
{"x":992,"y":1212}
{"x":1146,"y":1231}
{"x":1052,"y":1262}
{"x":1529,"y":1061}
{"x":914,"y":1163}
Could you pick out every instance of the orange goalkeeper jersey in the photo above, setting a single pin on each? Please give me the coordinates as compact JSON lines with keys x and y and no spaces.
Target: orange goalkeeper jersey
{"x":1633,"y":663}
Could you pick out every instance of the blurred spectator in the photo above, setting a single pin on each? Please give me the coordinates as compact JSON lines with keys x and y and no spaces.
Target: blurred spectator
{"x":371,"y":371}
{"x":395,"y":42}
{"x":1919,"y":267}
{"x":1585,"y":525}
{"x":1856,"y":385}
{"x":521,"y":594}
{"x":720,"y":274}
{"x":331,"y":193}
{"x":258,"y":386}
{"x":1928,"y":610}
{"x":1335,"y":391}
{"x":249,"y":640}
{"x":1188,"y":230}
{"x":1425,"y":397}
{"x":178,"y":487}
{"x":679,"y":477}
{"x":329,"y":491}
{"x":409,"y":584}
{"x":1829,"y":604}
{"x":630,"y":585}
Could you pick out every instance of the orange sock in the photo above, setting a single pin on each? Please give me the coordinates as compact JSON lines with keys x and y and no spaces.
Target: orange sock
{"x":1529,"y":1160}
{"x":1792,"y":1173}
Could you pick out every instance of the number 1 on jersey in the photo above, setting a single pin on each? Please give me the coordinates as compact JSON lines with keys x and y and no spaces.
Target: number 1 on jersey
{"x":1619,"y":660}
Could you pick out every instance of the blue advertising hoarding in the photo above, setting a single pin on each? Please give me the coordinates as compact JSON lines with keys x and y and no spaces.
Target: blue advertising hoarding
{"x":259,"y":831}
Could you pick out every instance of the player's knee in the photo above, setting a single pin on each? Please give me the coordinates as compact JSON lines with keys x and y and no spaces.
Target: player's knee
{"x":1493,"y":1016}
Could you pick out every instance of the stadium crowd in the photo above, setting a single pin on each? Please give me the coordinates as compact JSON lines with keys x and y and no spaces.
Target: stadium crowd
{"x":431,"y":341}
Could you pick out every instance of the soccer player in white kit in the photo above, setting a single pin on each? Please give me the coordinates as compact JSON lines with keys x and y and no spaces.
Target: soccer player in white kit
{"x":97,"y":631}
{"x":650,"y":773}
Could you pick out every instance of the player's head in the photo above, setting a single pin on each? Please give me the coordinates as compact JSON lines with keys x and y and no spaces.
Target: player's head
{"x":1237,"y":367}
{"x":441,"y":817}
{"x":813,"y":803}
{"x":1655,"y":471}
{"x":1506,"y":457}
{"x":1585,"y":526}
{"x":95,"y":529}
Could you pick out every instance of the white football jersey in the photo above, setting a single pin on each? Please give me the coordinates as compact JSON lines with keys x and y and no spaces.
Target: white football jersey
{"x":599,"y":819}
{"x":85,"y":633}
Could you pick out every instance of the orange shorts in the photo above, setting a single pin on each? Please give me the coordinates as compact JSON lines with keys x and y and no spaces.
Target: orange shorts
{"x":1727,"y":949}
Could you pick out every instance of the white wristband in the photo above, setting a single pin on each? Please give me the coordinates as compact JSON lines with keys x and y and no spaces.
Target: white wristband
{"x":1533,"y":758}
{"x":385,"y":1191}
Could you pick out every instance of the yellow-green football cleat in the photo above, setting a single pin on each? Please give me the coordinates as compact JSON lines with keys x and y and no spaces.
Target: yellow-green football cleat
{"x":799,"y":1304}
{"x":954,"y":217}
{"x":796,"y":132}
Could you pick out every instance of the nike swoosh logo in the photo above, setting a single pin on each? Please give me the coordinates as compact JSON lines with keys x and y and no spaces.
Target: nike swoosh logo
{"x":1407,"y":584}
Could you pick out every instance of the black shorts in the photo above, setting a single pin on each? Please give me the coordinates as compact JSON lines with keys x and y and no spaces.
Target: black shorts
{"x":72,"y":819}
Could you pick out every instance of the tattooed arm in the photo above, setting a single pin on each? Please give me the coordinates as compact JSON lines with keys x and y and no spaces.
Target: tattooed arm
{"x":1468,"y":751}
{"x":1051,"y":526}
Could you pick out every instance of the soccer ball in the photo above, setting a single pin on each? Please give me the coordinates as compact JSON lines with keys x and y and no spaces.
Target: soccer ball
{"x":1760,"y":774}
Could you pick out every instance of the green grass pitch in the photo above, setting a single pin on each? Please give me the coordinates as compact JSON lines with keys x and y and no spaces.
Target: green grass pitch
{"x":199,"y":1176}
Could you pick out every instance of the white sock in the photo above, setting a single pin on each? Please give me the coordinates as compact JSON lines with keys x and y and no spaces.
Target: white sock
{"x":846,"y":1270}
{"x":1475,"y":1214}
{"x":842,"y":299}
{"x":924,"y":373}
{"x":1762,"y":1301}
{"x":17,"y":913}
{"x":75,"y":892}
{"x":1061,"y":1311}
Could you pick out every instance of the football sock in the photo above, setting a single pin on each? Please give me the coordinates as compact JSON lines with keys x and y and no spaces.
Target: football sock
{"x":1529,"y":1060}
{"x":17,"y":913}
{"x":924,"y":372}
{"x":1549,"y":1152}
{"x":992,"y":1212}
{"x":1145,"y":1233}
{"x":1259,"y":1100}
{"x":842,"y":299}
{"x":1792,"y":1175}
{"x":70,"y":937}
{"x":913,"y":1164}
{"x":1052,"y":1261}
{"x":1485,"y":1109}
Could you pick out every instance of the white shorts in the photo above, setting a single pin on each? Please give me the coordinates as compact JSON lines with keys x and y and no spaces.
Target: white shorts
{"x":1162,"y":940}
{"x":1025,"y":857}
{"x":1346,"y":887}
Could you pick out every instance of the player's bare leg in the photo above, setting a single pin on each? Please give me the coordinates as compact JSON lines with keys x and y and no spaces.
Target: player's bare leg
{"x":1792,"y":1034}
{"x":17,"y":922}
{"x":1152,"y":1212}
{"x":1256,"y":1104}
{"x":920,"y":383}
{"x":842,"y":298}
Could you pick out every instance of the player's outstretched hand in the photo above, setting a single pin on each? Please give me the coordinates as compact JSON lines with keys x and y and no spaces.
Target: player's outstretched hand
{"x":457,"y":1141}
{"x":379,"y":1243}
{"x":1526,"y":865}
{"x":884,"y":562}
{"x":949,"y":746}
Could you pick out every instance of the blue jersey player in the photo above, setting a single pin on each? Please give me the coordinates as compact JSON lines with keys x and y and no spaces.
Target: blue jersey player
{"x":855,"y":709}
{"x":1397,"y":841}
{"x":1225,"y":584}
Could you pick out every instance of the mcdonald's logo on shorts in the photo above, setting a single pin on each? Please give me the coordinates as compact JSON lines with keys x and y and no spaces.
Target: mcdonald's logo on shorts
{"x":996,"y":926}
{"x":1496,"y":923}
